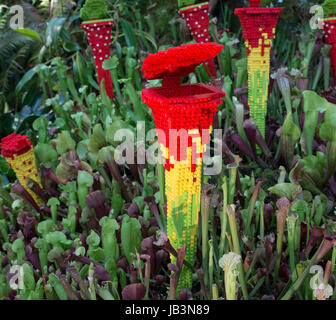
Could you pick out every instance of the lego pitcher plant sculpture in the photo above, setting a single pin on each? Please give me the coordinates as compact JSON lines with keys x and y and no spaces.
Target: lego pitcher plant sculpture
{"x":258,"y":26}
{"x":197,"y":19}
{"x":183,"y":116}
{"x":329,"y":27}
{"x":98,"y":30}
{"x":19,"y":153}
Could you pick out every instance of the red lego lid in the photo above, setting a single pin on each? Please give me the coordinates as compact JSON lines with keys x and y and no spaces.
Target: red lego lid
{"x":15,"y":144}
{"x":179,"y":61}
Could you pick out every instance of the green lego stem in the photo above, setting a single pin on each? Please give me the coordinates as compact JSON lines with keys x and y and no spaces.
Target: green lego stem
{"x":255,"y":103}
{"x":177,"y":224}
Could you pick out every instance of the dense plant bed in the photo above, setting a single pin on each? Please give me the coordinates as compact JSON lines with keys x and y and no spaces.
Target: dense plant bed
{"x":87,"y":214}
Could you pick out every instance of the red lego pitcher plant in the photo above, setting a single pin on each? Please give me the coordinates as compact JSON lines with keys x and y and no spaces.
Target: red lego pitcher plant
{"x":190,"y":109}
{"x":99,"y":36}
{"x":329,"y":27}
{"x":197,"y":18}
{"x":98,"y":31}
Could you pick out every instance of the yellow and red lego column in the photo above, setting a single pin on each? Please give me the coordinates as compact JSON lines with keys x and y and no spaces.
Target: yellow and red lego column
{"x":258,"y":26}
{"x":183,"y":116}
{"x":182,"y":156}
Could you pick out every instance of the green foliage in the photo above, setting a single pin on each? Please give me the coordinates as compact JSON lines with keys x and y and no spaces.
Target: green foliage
{"x":286,"y":190}
{"x":130,"y":237}
{"x":16,"y":52}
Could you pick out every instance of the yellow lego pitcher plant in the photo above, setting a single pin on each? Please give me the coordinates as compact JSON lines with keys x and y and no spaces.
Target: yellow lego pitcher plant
{"x":183,"y":115}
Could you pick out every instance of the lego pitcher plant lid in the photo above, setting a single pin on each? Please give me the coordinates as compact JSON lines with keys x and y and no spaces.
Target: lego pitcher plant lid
{"x":15,"y":144}
{"x":179,"y":61}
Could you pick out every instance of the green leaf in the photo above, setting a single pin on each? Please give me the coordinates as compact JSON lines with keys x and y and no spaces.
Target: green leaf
{"x":80,"y":251}
{"x":55,"y":253}
{"x":56,"y":284}
{"x":37,"y":293}
{"x":6,"y":170}
{"x":140,"y":200}
{"x":59,"y":123}
{"x":109,"y":239}
{"x":117,"y":203}
{"x":42,"y":245}
{"x":26,"y":78}
{"x":111,"y":63}
{"x":136,"y":101}
{"x":313,"y":104}
{"x":328,"y":126}
{"x":140,"y":33}
{"x":6,"y":124}
{"x":93,"y":239}
{"x":58,"y":239}
{"x":301,"y":208}
{"x":28,"y":277}
{"x":320,"y":209}
{"x":113,"y":128}
{"x":71,"y":46}
{"x":30,"y":33}
{"x":52,"y":202}
{"x":290,"y":135}
{"x":128,"y":31}
{"x":85,"y":179}
{"x":19,"y":248}
{"x":64,"y":142}
{"x":97,"y":254}
{"x":55,"y":237}
{"x":82,"y":149}
{"x":307,"y":175}
{"x":44,"y":227}
{"x":41,"y":125}
{"x":45,"y":154}
{"x":54,"y":27}
{"x":130,"y":237}
{"x":97,"y":140}
{"x":287,"y":190}
{"x":314,"y":165}
{"x":26,"y":124}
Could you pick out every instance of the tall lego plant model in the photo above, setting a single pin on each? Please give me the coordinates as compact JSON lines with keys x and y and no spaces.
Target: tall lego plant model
{"x":258,"y":26}
{"x":329,"y":23}
{"x":190,"y":108}
{"x":98,"y":29}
